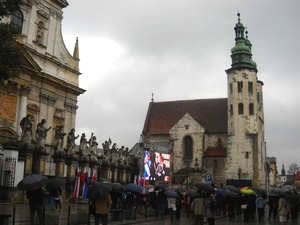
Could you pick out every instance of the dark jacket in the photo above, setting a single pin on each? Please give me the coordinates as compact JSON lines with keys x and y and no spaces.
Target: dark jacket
{"x":36,"y":196}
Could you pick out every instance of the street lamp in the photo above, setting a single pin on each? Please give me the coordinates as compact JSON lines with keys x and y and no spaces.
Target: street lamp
{"x":187,"y":160}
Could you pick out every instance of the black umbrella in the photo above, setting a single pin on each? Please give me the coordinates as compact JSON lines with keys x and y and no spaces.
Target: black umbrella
{"x":192,"y":193}
{"x":204,"y":187}
{"x":98,"y":190}
{"x":114,"y":187}
{"x":256,"y":190}
{"x":170,"y":193}
{"x":232,"y":194}
{"x":230,"y":188}
{"x":278,"y":192}
{"x":133,"y":187}
{"x":55,"y":183}
{"x":159,"y":188}
{"x":180,"y":190}
{"x":33,"y":181}
{"x":289,"y":187}
{"x":117,"y":187}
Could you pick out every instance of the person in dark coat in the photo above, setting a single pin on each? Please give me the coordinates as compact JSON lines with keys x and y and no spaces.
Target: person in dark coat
{"x":210,"y":206}
{"x":179,"y":202}
{"x":56,"y":193}
{"x":161,"y":204}
{"x":246,"y":212}
{"x":231,"y":203}
{"x":36,"y":204}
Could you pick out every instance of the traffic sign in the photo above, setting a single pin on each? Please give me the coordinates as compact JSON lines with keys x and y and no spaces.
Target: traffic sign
{"x":208,"y":177}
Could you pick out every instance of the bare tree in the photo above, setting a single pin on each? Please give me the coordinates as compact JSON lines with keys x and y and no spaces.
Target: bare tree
{"x":293,"y":168}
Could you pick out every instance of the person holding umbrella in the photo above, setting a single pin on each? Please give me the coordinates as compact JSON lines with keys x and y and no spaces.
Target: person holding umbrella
{"x":33,"y":185}
{"x":36,"y":204}
{"x":56,"y":193}
{"x":198,"y":208}
{"x":102,"y":208}
{"x":171,"y":206}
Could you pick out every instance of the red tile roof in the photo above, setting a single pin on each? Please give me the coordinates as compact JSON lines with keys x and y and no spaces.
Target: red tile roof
{"x":297,"y":175}
{"x":209,"y":113}
{"x":215,"y":152}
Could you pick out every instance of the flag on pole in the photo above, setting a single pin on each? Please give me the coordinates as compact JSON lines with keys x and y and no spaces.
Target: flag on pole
{"x":77,"y":183}
{"x":85,"y":185}
{"x":94,"y":178}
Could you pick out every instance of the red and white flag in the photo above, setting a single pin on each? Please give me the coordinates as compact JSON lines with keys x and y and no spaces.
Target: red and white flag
{"x":94,"y":178}
{"x":77,"y":183}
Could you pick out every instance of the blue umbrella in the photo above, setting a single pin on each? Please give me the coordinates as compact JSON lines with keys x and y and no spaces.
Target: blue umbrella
{"x":219,"y":191}
{"x":170,"y":193}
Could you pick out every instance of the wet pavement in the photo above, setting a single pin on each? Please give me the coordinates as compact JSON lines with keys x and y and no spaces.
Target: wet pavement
{"x":22,"y":217}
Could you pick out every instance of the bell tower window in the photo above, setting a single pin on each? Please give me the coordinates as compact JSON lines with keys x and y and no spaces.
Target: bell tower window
{"x":231,"y":110}
{"x":250,"y":87}
{"x":240,"y":86}
{"x":241,"y":109}
{"x":251,"y":109}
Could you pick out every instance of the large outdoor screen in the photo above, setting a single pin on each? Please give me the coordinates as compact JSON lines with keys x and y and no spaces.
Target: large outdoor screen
{"x":156,"y":166}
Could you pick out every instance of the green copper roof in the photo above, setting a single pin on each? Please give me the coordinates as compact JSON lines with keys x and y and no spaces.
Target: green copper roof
{"x":241,"y":53}
{"x":240,"y":48}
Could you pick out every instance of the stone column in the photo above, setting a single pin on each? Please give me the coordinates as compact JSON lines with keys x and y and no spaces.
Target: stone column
{"x":60,"y":161}
{"x":39,"y":162}
{"x":94,"y":169}
{"x":24,"y":92}
{"x":72,"y":163}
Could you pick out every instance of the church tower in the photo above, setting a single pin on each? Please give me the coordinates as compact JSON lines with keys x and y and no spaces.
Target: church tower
{"x":246,"y":151}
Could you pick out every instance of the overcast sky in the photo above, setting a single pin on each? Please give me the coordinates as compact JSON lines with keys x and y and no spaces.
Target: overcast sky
{"x":179,"y":50}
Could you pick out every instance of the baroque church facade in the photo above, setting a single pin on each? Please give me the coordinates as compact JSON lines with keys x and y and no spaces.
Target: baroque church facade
{"x":214,"y":140}
{"x":47,"y":89}
{"x":38,"y":109}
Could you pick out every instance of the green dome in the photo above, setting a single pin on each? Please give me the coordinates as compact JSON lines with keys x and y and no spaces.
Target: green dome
{"x":240,"y":47}
{"x":253,"y":64}
{"x":239,"y":24}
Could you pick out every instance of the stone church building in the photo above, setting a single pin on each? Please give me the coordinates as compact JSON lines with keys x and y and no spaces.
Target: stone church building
{"x":215,"y":140}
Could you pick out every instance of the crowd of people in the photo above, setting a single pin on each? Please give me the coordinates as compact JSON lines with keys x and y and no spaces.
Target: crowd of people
{"x":206,"y":206}
{"x":199,"y":205}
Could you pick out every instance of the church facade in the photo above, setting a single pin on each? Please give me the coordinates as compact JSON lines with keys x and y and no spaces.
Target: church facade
{"x":214,"y":140}
{"x":45,"y":92}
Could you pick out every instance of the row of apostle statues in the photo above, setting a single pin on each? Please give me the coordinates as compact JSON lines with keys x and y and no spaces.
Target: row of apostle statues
{"x":87,"y":148}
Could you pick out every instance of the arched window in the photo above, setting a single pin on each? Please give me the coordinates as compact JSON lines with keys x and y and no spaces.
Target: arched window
{"x":251,"y":109}
{"x":16,"y":22}
{"x":250,"y":87}
{"x":240,"y":86}
{"x":188,"y":146}
{"x":241,"y":108}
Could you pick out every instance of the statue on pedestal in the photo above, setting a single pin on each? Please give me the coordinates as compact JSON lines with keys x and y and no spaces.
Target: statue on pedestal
{"x":114,"y":152}
{"x":59,"y":138}
{"x":26,"y":126}
{"x":41,"y":134}
{"x":106,"y":151}
{"x":83,"y":145}
{"x":71,"y":142}
{"x":93,"y":148}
